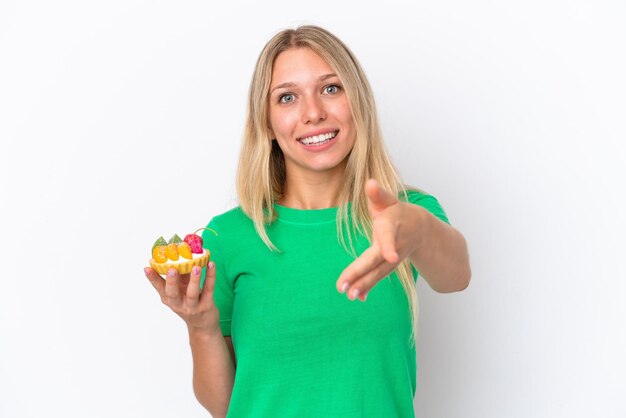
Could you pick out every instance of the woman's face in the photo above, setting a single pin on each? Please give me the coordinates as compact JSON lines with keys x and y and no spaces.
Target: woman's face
{"x":309,"y":114}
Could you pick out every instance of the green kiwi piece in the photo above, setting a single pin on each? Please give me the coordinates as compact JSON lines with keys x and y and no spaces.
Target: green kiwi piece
{"x":175,"y":240}
{"x":160,"y":241}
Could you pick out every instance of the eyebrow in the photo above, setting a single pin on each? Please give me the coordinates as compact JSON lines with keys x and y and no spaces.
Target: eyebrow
{"x":290,"y":84}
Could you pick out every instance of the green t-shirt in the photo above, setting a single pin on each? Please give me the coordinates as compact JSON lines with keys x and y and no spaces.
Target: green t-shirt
{"x":302,"y":348}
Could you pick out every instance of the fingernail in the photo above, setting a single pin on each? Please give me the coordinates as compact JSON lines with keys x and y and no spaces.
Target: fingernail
{"x":211,"y":265}
{"x":344,"y":287}
{"x":364,"y":297}
{"x":196,"y":270}
{"x":171,"y":273}
{"x":146,"y":272}
{"x":355,"y":294}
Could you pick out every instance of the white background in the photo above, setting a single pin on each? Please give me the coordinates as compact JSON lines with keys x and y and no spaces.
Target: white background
{"x":121,"y":121}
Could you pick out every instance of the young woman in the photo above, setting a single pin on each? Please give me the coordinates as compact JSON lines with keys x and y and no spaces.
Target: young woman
{"x":309,"y":305}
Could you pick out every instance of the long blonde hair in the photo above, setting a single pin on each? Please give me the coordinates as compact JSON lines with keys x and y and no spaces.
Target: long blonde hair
{"x":261,"y":173}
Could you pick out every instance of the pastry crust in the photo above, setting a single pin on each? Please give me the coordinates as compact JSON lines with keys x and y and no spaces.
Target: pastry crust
{"x":183,"y":266}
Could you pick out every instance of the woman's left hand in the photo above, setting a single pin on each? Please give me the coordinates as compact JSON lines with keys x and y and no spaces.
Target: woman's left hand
{"x":394,"y":232}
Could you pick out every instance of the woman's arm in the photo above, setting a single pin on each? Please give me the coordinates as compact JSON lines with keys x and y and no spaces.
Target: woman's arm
{"x":213,"y":371}
{"x":440,"y":253}
{"x":403,"y":230}
{"x":213,"y":367}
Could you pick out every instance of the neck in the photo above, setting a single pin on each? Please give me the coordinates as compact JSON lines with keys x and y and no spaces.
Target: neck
{"x":312,"y":192}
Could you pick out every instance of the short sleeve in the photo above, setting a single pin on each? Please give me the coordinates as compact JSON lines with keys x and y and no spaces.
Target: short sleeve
{"x":428,"y":202}
{"x":224,"y":293}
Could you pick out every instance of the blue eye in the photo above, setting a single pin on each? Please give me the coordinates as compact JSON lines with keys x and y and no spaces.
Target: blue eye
{"x":286,"y":98}
{"x":332,"y":89}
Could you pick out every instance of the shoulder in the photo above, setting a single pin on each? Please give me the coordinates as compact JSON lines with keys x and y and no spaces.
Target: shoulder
{"x":231,"y":228}
{"x":425,"y":200}
{"x":234,"y":216}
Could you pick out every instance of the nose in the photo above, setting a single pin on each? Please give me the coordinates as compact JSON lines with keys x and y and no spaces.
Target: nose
{"x":313,"y":110}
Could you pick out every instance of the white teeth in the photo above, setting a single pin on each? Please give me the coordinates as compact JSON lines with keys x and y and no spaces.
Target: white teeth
{"x":318,"y":138}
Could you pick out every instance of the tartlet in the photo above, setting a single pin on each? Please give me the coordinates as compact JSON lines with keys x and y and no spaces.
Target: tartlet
{"x":179,"y":254}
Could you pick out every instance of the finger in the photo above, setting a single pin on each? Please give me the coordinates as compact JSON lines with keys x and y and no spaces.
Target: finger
{"x":356,"y":288}
{"x":172,"y":292}
{"x":206,"y":295}
{"x":385,"y":233}
{"x":378,"y":198}
{"x":183,"y":280}
{"x":156,"y":280}
{"x":368,"y":260}
{"x":361,"y":288}
{"x":192,"y":295}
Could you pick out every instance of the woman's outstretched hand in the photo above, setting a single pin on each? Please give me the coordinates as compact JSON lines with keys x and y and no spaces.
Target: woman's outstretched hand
{"x":394,"y":231}
{"x":182,"y":294}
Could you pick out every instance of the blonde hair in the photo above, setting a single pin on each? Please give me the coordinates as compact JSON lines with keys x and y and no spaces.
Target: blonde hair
{"x":261,"y":173}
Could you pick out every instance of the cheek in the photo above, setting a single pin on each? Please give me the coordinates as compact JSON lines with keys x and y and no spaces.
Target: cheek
{"x":283,"y":123}
{"x":342,"y":112}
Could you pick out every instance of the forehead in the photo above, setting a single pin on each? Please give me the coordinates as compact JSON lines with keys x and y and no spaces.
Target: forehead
{"x":298,"y":65}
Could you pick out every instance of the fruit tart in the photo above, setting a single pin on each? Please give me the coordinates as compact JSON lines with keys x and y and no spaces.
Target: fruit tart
{"x":180,"y":254}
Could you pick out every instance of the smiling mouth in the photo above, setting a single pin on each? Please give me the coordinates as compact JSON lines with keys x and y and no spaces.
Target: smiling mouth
{"x":318,"y":139}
